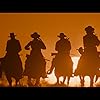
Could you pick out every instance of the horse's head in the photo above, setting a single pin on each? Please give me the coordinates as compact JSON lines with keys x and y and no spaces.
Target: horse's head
{"x":81,"y":50}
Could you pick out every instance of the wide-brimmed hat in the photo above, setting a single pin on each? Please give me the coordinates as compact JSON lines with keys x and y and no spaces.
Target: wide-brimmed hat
{"x":35,"y":35}
{"x":62,"y":35}
{"x":89,"y":29}
{"x":12,"y":35}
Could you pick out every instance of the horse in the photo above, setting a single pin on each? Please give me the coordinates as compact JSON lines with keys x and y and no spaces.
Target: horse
{"x":35,"y":68}
{"x":85,"y":71}
{"x":11,"y":68}
{"x":63,"y":67}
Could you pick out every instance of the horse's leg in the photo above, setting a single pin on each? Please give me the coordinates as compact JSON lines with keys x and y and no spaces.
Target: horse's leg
{"x":9,"y":80}
{"x":57,"y":79}
{"x":96,"y":78}
{"x":91,"y":81}
{"x":37,"y":81}
{"x":68,"y":80}
{"x":17,"y":82}
{"x":64,"y":78}
{"x":82,"y":80}
{"x":29,"y":81}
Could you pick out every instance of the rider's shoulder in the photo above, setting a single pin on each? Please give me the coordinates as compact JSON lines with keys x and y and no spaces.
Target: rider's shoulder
{"x":85,"y":37}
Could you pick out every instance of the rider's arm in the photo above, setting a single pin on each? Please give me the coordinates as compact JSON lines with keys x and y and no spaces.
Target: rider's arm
{"x":19,"y":46}
{"x":27,"y":46}
{"x":42,"y":45}
{"x":97,"y":41}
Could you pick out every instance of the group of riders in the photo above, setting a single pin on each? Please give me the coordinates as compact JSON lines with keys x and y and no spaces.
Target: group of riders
{"x":35,"y":64}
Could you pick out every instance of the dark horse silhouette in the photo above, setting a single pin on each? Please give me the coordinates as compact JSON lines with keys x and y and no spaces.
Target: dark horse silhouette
{"x":35,"y":64}
{"x":62,"y":61}
{"x":1,"y":69}
{"x":80,"y":71}
{"x":89,"y":62}
{"x":11,"y":63}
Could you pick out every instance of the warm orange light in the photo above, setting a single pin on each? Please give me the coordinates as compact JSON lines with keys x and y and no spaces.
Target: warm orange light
{"x":49,"y":25}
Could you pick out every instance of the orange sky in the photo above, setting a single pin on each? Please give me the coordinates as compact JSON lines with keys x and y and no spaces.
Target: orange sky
{"x":49,"y":25}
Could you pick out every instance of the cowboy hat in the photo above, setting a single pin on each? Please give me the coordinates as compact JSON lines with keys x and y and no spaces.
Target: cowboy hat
{"x":89,"y":28}
{"x":35,"y":35}
{"x":61,"y":35}
{"x":12,"y":35}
